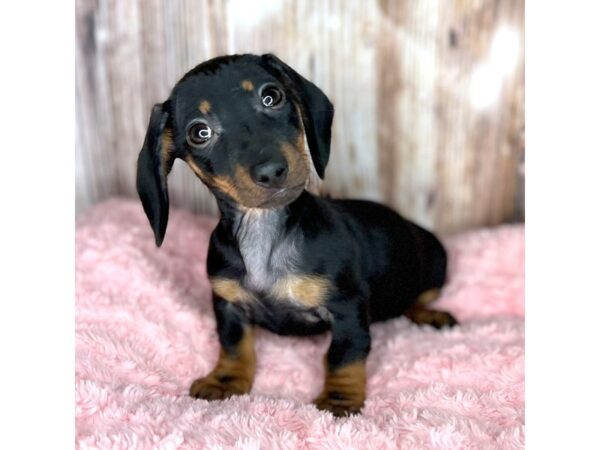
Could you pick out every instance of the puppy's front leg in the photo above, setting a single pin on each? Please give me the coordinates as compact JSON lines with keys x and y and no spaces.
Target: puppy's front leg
{"x":234,"y":372}
{"x":345,"y":380}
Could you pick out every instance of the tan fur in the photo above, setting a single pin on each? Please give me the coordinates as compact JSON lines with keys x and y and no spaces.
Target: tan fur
{"x":310,"y":290}
{"x":252,"y":194}
{"x":230,"y":290}
{"x":424,"y":316}
{"x":224,"y":184}
{"x":166,"y":151}
{"x":428,"y":297}
{"x":204,"y":107}
{"x":345,"y":389}
{"x":314,"y":184}
{"x":227,"y":186}
{"x":298,"y":162}
{"x":233,"y":374}
{"x":247,"y":85}
{"x":243,"y":190}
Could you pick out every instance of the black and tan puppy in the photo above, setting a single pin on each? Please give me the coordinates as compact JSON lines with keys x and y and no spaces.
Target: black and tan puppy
{"x":253,"y":130}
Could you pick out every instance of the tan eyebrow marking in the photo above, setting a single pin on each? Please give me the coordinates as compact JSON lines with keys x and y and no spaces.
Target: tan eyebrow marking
{"x":247,"y":85}
{"x":204,"y":106}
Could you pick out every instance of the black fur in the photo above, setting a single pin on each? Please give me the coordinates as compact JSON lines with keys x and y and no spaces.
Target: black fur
{"x":377,"y":262}
{"x":152,"y":176}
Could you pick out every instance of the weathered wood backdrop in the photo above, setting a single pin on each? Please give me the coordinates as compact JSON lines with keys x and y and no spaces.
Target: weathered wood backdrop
{"x":428,"y":94}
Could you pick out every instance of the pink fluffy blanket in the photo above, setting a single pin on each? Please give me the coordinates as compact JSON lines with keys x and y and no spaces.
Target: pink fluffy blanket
{"x":145,"y":329}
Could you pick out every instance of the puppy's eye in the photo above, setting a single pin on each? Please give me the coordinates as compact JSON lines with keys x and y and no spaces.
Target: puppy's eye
{"x":198,"y":134}
{"x":271,"y":96}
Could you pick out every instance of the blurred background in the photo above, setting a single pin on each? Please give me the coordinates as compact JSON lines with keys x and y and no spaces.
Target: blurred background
{"x":429,"y":95}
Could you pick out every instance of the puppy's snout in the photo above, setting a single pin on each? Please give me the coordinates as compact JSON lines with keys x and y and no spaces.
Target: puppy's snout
{"x":270,"y":174}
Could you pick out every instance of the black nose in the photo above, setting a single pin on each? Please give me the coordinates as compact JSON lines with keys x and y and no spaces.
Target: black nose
{"x":270,"y":174}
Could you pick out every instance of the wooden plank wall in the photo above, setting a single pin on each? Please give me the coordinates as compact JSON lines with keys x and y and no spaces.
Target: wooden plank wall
{"x":429,"y":95}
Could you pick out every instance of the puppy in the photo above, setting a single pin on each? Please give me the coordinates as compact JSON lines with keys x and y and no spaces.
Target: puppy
{"x":253,"y":130}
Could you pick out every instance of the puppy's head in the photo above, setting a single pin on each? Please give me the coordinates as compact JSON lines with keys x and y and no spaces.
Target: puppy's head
{"x":241,"y":123}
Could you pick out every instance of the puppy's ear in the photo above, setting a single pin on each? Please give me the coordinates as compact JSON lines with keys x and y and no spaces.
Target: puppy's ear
{"x":316,"y":109}
{"x":154,"y":164}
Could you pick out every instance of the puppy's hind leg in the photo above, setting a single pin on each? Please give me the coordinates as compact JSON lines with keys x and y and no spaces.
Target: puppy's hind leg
{"x":422,"y":315}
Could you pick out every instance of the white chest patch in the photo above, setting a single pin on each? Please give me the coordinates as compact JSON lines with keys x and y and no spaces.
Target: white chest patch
{"x":267,"y":255}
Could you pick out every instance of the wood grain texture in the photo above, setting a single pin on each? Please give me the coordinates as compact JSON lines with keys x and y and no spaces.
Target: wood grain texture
{"x":407,"y":131}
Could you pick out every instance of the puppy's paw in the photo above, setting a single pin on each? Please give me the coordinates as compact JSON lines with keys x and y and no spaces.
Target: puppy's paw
{"x":339,"y":404}
{"x":344,"y":391}
{"x":217,"y":386}
{"x":435,"y":318}
{"x":444,"y":319}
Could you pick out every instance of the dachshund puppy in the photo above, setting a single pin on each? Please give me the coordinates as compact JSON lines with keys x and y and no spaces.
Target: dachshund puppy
{"x":253,"y":130}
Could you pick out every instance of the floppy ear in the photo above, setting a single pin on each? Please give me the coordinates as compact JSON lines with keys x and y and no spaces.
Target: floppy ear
{"x":153,"y":166}
{"x":316,"y":109}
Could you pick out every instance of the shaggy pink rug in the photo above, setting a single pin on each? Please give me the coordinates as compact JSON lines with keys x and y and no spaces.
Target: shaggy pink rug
{"x":145,"y":330}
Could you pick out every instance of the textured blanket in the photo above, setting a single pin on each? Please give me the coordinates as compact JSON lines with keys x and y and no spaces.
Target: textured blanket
{"x":145,"y":329}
